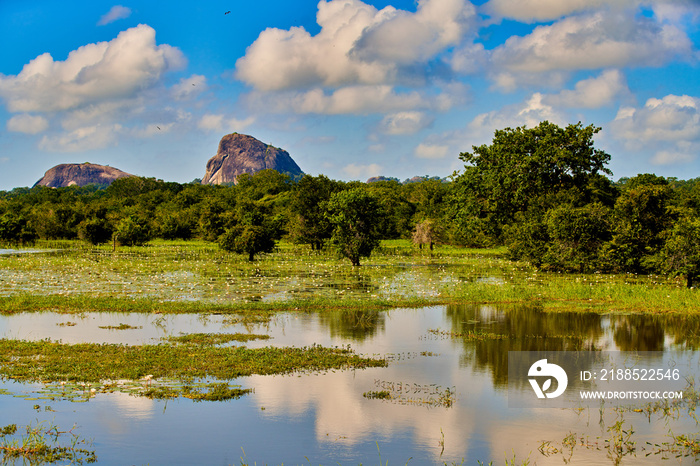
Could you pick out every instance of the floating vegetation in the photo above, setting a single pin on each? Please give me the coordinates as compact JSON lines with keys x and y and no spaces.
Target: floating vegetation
{"x":377,"y":395}
{"x":66,"y":324}
{"x":119,"y":327}
{"x":210,"y":339}
{"x":41,"y":445}
{"x":472,"y":335}
{"x":210,"y":392}
{"x":49,"y":361}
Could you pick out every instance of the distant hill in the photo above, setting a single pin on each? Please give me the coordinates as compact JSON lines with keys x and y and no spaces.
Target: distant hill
{"x":80,"y":174}
{"x":240,"y":153}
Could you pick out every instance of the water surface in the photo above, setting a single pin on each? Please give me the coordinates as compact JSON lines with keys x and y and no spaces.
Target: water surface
{"x":325,"y":417}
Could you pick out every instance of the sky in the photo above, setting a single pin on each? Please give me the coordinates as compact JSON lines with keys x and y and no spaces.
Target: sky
{"x":350,"y":89}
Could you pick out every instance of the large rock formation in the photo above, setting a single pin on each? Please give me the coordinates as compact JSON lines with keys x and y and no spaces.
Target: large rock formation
{"x":239,"y":153}
{"x":80,"y":174}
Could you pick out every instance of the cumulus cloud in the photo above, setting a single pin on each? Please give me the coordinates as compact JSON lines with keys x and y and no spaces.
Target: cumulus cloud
{"x":672,"y":118}
{"x":359,"y":171}
{"x":115,"y":13}
{"x":189,"y":87}
{"x":28,"y":124}
{"x":221,"y":123}
{"x":545,"y":10}
{"x":431,"y":151}
{"x":120,"y":68}
{"x":357,"y":45}
{"x":82,"y":139}
{"x":480,"y":130}
{"x":591,"y":41}
{"x":594,"y":92}
{"x":668,"y":127}
{"x":404,"y":123}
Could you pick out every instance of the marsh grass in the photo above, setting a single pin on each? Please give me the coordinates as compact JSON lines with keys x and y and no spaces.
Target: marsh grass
{"x":210,"y":339}
{"x":40,"y":444}
{"x":196,"y":277}
{"x":48,"y":361}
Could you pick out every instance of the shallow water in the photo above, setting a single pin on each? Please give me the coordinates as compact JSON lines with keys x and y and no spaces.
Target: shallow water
{"x":325,"y":417}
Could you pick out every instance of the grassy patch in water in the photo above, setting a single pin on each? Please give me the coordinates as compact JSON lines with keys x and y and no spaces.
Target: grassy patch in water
{"x":41,"y":445}
{"x":120,"y":327}
{"x":195,"y":277}
{"x":210,"y":339}
{"x":48,"y":361}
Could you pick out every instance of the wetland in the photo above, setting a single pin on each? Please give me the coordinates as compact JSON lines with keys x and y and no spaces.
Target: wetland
{"x":179,"y":353}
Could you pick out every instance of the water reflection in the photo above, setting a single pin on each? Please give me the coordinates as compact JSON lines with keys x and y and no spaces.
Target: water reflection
{"x":326,"y":418}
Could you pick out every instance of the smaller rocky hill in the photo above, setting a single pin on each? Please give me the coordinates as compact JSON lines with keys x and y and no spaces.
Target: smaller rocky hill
{"x":240,"y":153}
{"x":80,"y":174}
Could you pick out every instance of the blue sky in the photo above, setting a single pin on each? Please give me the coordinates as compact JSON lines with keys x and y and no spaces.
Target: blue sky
{"x":351,"y":89}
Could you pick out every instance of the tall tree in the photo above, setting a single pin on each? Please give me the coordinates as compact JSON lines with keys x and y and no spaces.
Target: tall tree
{"x":355,"y":215}
{"x":522,"y":166}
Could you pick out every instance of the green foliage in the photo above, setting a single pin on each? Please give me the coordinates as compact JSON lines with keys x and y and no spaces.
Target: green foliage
{"x":95,"y":230}
{"x":641,"y":214}
{"x":355,"y":215}
{"x":253,"y":233}
{"x":133,"y":231}
{"x":681,"y":251}
{"x":308,"y":223}
{"x":14,"y":229}
{"x":523,"y":165}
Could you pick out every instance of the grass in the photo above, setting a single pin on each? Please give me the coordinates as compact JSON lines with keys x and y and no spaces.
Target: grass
{"x":210,"y":339}
{"x":47,"y":361}
{"x":195,"y":277}
{"x":41,"y":445}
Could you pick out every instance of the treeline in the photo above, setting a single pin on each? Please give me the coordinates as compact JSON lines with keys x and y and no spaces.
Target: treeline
{"x":543,"y":192}
{"x":246,"y":218}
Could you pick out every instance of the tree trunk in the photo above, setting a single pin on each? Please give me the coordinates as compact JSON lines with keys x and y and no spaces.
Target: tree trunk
{"x":690,"y":279}
{"x":431,"y":245}
{"x":355,"y":261}
{"x":250,"y":256}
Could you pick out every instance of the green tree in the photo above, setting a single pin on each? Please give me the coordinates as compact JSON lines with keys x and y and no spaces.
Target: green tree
{"x":521,"y":166}
{"x":355,"y":215}
{"x":641,"y":214}
{"x":132,"y":231}
{"x":308,"y":222}
{"x":680,"y":254}
{"x":253,"y":233}
{"x":95,"y":230}
{"x":14,"y":228}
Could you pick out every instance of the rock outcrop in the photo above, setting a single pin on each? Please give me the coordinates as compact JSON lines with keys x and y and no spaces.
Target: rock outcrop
{"x":240,"y":153}
{"x":80,"y":174}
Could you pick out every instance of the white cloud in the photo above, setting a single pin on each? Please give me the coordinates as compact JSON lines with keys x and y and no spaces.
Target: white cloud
{"x":405,"y":38}
{"x":351,"y":99}
{"x":189,"y":87}
{"x":431,"y":151}
{"x":529,"y":113}
{"x":591,"y":41}
{"x":362,"y":171}
{"x":29,"y":124}
{"x":357,"y":45}
{"x":667,"y":128}
{"x":672,"y":158}
{"x":545,"y":10}
{"x":593,"y":92}
{"x":670,"y":119}
{"x":481,"y":129}
{"x":404,"y":123}
{"x":117,"y":12}
{"x":82,"y":139}
{"x":118,"y":69}
{"x":220,"y":123}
